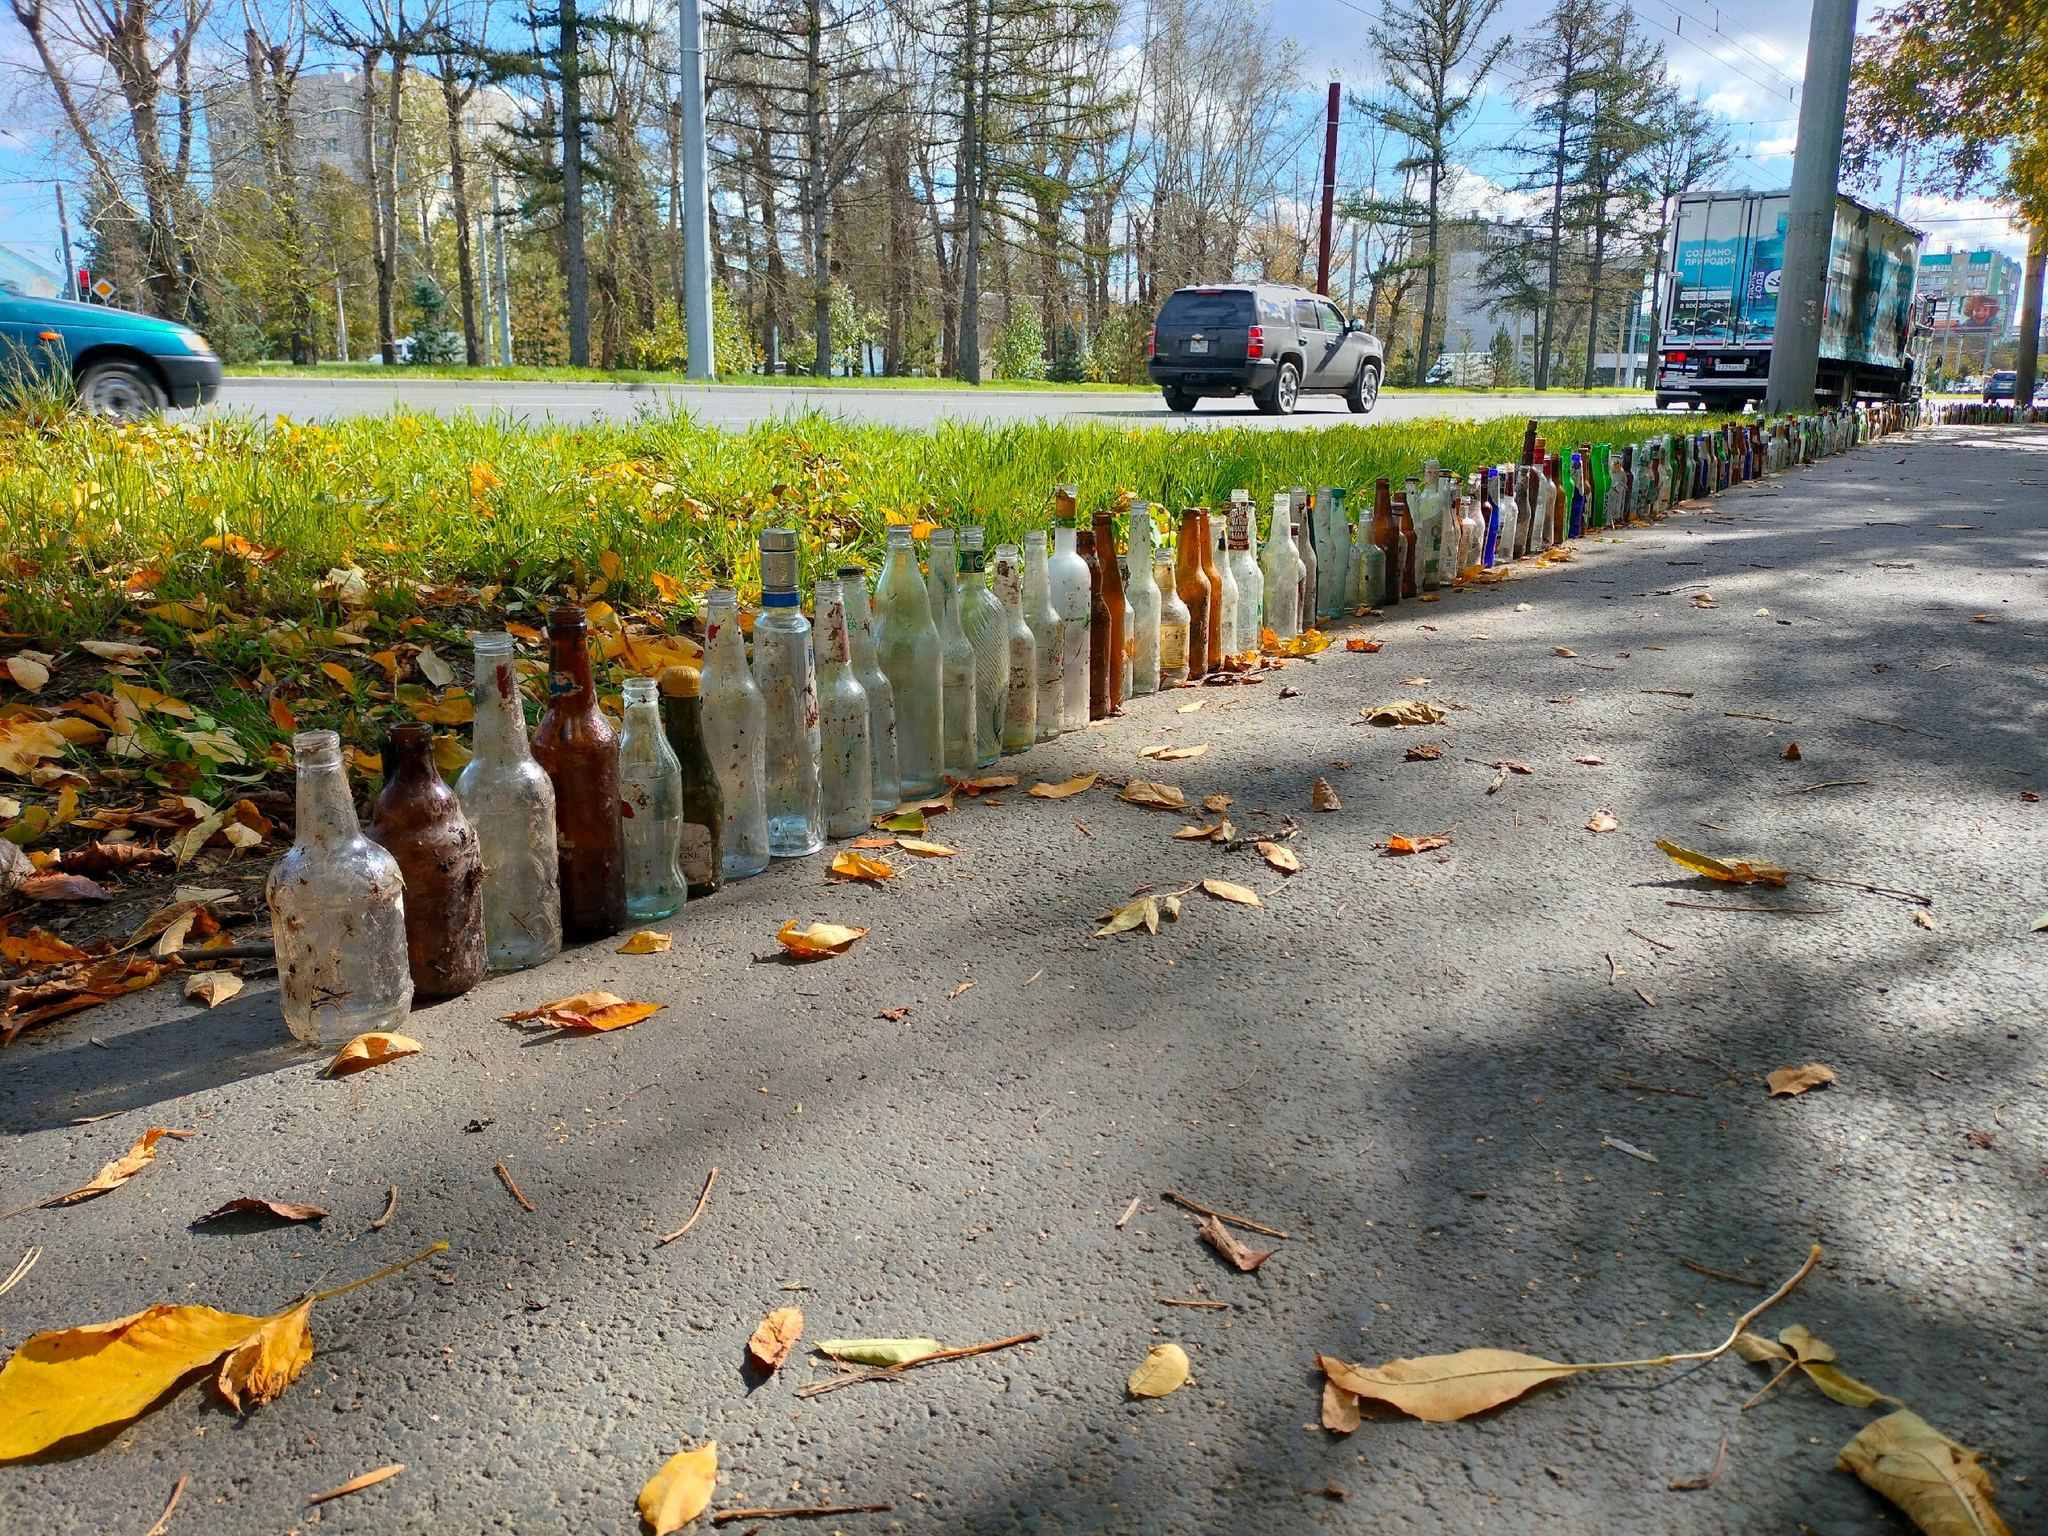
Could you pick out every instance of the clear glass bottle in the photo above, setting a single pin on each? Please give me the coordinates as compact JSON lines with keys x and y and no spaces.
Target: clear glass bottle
{"x":960,"y":701}
{"x":650,"y":807}
{"x":1020,"y":693}
{"x":1305,"y":564}
{"x":1228,"y":642}
{"x":1143,"y":592}
{"x":1353,"y":596}
{"x":1282,"y":598}
{"x":1049,"y":630}
{"x":1510,"y":515}
{"x":736,"y":735}
{"x":1128,"y":629}
{"x":908,"y":648}
{"x":1244,"y":570}
{"x":786,"y":672}
{"x":1174,"y":623}
{"x":1070,"y":597}
{"x":579,"y":748}
{"x":702,"y":853}
{"x":847,"y":777}
{"x":419,"y":822}
{"x":337,"y":912}
{"x":860,"y":629}
{"x":510,"y":800}
{"x":981,"y":616}
{"x":1321,"y":522}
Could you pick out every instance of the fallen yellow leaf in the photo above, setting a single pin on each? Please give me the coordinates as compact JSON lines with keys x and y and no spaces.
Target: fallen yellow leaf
{"x":858,"y":866}
{"x":771,"y":1342}
{"x":1732,"y":871}
{"x":1165,"y":797}
{"x":1165,"y":1369}
{"x":818,"y":940}
{"x":269,"y":1360}
{"x":338,"y":673}
{"x":587,"y":1011}
{"x":1323,"y":798}
{"x":370,"y":1050}
{"x":925,"y":850}
{"x":681,"y":1490}
{"x":1060,"y":791}
{"x":1340,"y":1408}
{"x":212,"y":987}
{"x":1397,"y":846}
{"x":1602,"y":820}
{"x":1786,"y":1082}
{"x":901,"y":821}
{"x":1224,"y":890}
{"x":986,"y":783}
{"x":1441,"y":1388}
{"x":647,"y":942}
{"x":879,"y":1351}
{"x":27,"y":673}
{"x":1404,"y":712}
{"x":25,"y":743}
{"x":1189,"y":709}
{"x":119,"y":1171}
{"x":1142,"y":913}
{"x":1280,"y":857}
{"x":1173,"y":754}
{"x":1939,"y":1484}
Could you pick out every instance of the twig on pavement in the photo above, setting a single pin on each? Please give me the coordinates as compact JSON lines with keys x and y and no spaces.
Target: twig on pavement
{"x":1721,"y":1274}
{"x":1703,"y":906}
{"x":1129,"y":1211}
{"x":163,"y":1521}
{"x":1695,"y":1484}
{"x":506,"y":1174}
{"x":1235,"y":1221}
{"x":709,"y":1179}
{"x":390,"y":1206}
{"x":1807,"y":789}
{"x":801,"y":1512}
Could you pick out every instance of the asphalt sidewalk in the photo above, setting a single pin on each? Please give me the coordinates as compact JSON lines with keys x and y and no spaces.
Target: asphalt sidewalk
{"x":1423,"y":1069}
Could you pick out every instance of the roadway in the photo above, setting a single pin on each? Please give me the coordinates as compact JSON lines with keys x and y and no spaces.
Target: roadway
{"x":740,"y":406}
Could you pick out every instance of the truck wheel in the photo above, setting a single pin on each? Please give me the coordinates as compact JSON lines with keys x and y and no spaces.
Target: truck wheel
{"x":120,"y":390}
{"x":1278,"y":399}
{"x":1178,"y":400}
{"x":1364,"y":392}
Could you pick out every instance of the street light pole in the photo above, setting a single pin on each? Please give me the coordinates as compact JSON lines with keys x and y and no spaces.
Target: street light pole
{"x":1810,"y":213}
{"x":696,"y":210}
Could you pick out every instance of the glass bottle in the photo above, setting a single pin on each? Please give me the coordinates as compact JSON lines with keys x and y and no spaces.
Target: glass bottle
{"x":1386,"y":538}
{"x":1244,"y":571}
{"x":1305,"y":562}
{"x":846,"y":780}
{"x":1227,"y":598}
{"x":1113,"y":605}
{"x":1281,"y":602}
{"x":860,"y":629}
{"x":701,"y":843}
{"x":1143,"y":593}
{"x":912,"y":658}
{"x":1130,"y":630}
{"x":419,"y":822}
{"x":1509,"y":515}
{"x":510,"y":801}
{"x":580,"y":751}
{"x":786,"y":671}
{"x":981,"y":615}
{"x":337,"y":912}
{"x":1173,"y":626}
{"x":650,"y":807}
{"x":1423,"y":525}
{"x":736,"y":735}
{"x":1333,"y":551}
{"x":1099,"y":628}
{"x":1214,"y":660}
{"x":1020,"y":694}
{"x":1405,"y":517}
{"x":1070,"y":599}
{"x":1578,"y":494}
{"x":1192,"y":582}
{"x":1601,"y":483}
{"x":1048,"y":629}
{"x":959,"y":701}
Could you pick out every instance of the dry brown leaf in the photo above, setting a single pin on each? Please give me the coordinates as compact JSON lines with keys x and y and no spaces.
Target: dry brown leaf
{"x":1340,"y":1408}
{"x":119,"y":1171}
{"x":1939,"y":1484}
{"x":1397,"y":846}
{"x":258,"y":1369}
{"x":681,"y":1490}
{"x":370,"y":1050}
{"x":818,"y":940}
{"x":212,"y":987}
{"x":1564,"y":652}
{"x":1791,"y":753}
{"x":1428,"y":752}
{"x":1603,"y":820}
{"x":925,"y":850}
{"x":1730,"y":871}
{"x":38,"y":947}
{"x":1922,"y":920}
{"x":1225,"y":1242}
{"x":285,"y":1210}
{"x":1164,"y":797}
{"x":1062,"y":790}
{"x":985,"y":783}
{"x":858,"y":866}
{"x":1164,"y":1370}
{"x":1189,"y":709}
{"x":28,"y":674}
{"x":1216,"y":805}
{"x":1141,"y":913}
{"x":1404,"y":712}
{"x":1590,"y":762}
{"x":616,"y":1014}
{"x":1173,"y":754}
{"x":1789,"y":1081}
{"x":1280,"y":857}
{"x":895,"y":1015}
{"x":1207,"y":832}
{"x":646,"y":942}
{"x":1441,"y":1388}
{"x":61,"y":887}
{"x":1322,"y":797}
{"x":1360,"y":644}
{"x":772,"y":1341}
{"x":1225,"y":890}
{"x":872,"y":842}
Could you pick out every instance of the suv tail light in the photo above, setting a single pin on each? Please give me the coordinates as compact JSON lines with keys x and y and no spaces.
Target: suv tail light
{"x":1151,"y":342}
{"x":1255,"y":342}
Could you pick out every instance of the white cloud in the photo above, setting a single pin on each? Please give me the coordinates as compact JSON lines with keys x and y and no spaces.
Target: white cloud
{"x":1771,"y":148}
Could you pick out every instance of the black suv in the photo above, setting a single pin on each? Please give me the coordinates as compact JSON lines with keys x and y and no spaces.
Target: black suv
{"x":1271,"y":341}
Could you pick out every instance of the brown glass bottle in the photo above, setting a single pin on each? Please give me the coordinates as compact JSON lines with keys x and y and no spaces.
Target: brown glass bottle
{"x":682,"y":722}
{"x":418,"y":821}
{"x":580,"y":751}
{"x":1386,"y":537}
{"x":1191,"y":582}
{"x":1214,"y":639}
{"x":1113,"y":600}
{"x":1101,"y":659}
{"x":1404,"y":516}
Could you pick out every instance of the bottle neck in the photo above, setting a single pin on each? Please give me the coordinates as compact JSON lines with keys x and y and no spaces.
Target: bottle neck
{"x":1063,"y":541}
{"x":835,"y":641}
{"x":500,"y":729}
{"x":326,"y":813}
{"x":725,"y":648}
{"x":569,"y":671}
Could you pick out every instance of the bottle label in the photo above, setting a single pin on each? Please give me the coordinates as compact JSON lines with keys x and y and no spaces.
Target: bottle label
{"x":1240,"y":526}
{"x":973,"y":561}
{"x":1173,"y":647}
{"x":560,"y":683}
{"x":696,"y":853}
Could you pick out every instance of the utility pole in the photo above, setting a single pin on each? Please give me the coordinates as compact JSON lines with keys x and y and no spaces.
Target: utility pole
{"x":1810,"y":212}
{"x":1329,"y":189}
{"x":64,"y":241}
{"x":2030,"y":316}
{"x":696,"y":212}
{"x":504,"y":287}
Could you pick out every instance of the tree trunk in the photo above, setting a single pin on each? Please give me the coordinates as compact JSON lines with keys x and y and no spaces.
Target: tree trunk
{"x":816,"y":201}
{"x":569,"y":63}
{"x":1422,"y":360}
{"x":2030,"y":316}
{"x":1593,"y":296}
{"x":902,"y":251}
{"x":1557,"y":170}
{"x":969,"y":193}
{"x":452,"y":102}
{"x":674,"y":118}
{"x":771,"y":237}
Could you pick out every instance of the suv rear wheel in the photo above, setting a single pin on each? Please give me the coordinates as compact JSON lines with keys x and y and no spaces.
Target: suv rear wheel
{"x":1278,"y":398}
{"x":1364,"y":392}
{"x":119,"y":389}
{"x":1178,"y":399}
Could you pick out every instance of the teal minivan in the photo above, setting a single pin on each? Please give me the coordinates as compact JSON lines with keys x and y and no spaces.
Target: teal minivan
{"x":125,"y":365}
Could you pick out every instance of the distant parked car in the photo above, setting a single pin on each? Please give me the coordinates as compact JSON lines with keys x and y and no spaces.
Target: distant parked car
{"x":1272,"y":341}
{"x":124,"y":365}
{"x":2002,"y":385}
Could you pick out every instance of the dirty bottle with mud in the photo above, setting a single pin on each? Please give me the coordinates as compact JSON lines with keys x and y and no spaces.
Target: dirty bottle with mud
{"x":735,"y":734}
{"x":418,"y":821}
{"x":580,"y":751}
{"x":701,"y":838}
{"x":510,"y":801}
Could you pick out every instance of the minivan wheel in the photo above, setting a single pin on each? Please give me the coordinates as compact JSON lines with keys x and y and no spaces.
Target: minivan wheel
{"x":120,"y":390}
{"x":1178,"y":399}
{"x":1364,"y":392}
{"x":1279,"y":398}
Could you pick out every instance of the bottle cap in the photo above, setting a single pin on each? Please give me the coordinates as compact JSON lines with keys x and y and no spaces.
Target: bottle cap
{"x":682,"y":682}
{"x":778,"y":567}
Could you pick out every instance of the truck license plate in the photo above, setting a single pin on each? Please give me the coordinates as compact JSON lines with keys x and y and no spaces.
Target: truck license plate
{"x":1198,"y":344}
{"x":1725,"y":365}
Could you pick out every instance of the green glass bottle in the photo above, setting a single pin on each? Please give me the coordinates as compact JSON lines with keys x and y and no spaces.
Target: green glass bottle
{"x":703,"y":832}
